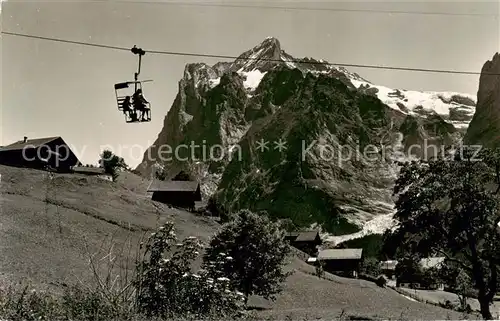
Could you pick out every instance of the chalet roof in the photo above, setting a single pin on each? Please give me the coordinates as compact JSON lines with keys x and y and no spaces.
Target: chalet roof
{"x":388,"y":265}
{"x":173,"y":186}
{"x":307,"y":236}
{"x":89,"y":170}
{"x":340,"y":254}
{"x":19,"y":145}
{"x":430,"y":262}
{"x":303,"y":236}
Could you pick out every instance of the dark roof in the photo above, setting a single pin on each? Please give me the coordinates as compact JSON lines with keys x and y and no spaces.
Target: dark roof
{"x":340,"y":254}
{"x":307,"y":236}
{"x":173,"y":186}
{"x":303,"y":236}
{"x":292,"y":234}
{"x":89,"y":170}
{"x":19,"y":145}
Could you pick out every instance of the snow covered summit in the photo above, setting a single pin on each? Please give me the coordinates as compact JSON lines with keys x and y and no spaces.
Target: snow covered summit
{"x":252,"y":65}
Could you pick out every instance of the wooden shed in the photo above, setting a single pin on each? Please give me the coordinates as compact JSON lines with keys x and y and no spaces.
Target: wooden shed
{"x":182,"y":194}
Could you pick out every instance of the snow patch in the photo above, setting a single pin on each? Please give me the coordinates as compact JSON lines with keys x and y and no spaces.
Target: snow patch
{"x":289,"y":63}
{"x":213,"y":82}
{"x":251,"y":60}
{"x":185,"y":117}
{"x":252,"y":78}
{"x":377,"y":225}
{"x":414,"y":101}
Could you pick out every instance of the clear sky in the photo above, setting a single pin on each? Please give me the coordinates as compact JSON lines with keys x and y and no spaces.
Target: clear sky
{"x":57,"y":89}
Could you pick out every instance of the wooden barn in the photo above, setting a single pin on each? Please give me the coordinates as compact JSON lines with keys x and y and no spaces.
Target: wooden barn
{"x":182,"y":194}
{"x":306,"y":241}
{"x":39,"y":153}
{"x":344,"y":262}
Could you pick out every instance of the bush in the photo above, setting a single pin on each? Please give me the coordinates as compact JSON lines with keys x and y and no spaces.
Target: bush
{"x":167,"y":287}
{"x":381,"y":281}
{"x":161,"y":174}
{"x":76,"y":304}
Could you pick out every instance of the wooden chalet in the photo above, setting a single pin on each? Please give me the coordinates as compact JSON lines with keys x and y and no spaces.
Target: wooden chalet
{"x":49,"y":152}
{"x":344,"y":262}
{"x":306,"y":241}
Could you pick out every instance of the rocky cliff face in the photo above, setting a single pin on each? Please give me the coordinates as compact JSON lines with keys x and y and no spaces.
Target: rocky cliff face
{"x":300,"y":138}
{"x":484,"y":128}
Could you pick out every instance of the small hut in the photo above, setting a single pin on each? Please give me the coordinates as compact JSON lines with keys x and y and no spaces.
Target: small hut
{"x":182,"y":194}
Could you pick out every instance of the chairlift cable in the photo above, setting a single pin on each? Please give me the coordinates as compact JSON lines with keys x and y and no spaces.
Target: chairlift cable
{"x":188,"y":54}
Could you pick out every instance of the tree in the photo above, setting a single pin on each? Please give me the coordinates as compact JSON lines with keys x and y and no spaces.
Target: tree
{"x":450,"y":207}
{"x":112,"y":163}
{"x":215,"y":208}
{"x":183,"y":176}
{"x":257,"y":250}
{"x":458,"y":281}
{"x":370,"y":266}
{"x":408,"y":270}
{"x":463,"y":288}
{"x":320,"y":270}
{"x":161,"y":174}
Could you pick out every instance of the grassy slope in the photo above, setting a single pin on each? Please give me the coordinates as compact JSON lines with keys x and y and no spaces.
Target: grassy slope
{"x":47,"y":244}
{"x":42,"y":246}
{"x":306,"y":297}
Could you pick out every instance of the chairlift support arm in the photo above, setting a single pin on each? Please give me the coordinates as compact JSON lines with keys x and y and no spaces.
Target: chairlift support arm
{"x":140,"y":52}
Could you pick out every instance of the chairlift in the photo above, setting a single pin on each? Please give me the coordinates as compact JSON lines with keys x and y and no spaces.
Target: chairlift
{"x":129,"y":90}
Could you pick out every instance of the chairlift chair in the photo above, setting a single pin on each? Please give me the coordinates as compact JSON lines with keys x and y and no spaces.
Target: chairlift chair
{"x":123,"y":89}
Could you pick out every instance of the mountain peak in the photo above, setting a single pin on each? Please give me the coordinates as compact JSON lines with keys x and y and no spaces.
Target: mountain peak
{"x":270,"y":42}
{"x":262,"y":57}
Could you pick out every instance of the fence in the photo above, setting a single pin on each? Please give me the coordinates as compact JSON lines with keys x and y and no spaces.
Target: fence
{"x":419,"y":299}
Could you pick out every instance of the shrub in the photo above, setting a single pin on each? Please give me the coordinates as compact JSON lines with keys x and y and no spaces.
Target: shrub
{"x":166,"y":286}
{"x":76,"y":304}
{"x":381,"y":281}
